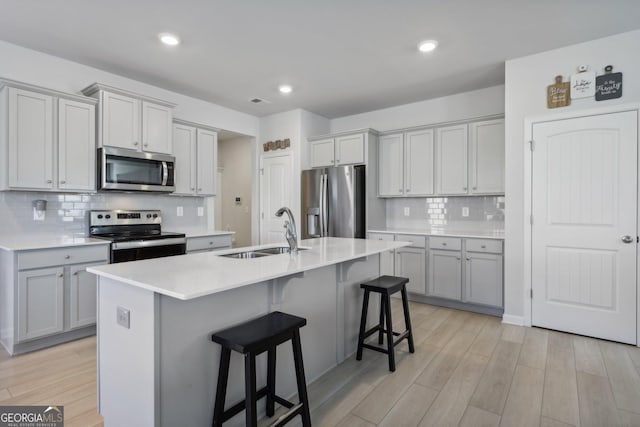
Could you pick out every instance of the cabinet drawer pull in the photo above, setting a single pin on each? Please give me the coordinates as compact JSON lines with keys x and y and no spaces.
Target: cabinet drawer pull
{"x":67,"y":256}
{"x":63,"y":182}
{"x":49,"y":181}
{"x":199,"y":189}
{"x":483,"y":246}
{"x":444,"y":244}
{"x":408,"y":189}
{"x":458,"y":258}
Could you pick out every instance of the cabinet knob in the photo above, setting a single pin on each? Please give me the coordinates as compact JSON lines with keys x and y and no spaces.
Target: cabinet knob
{"x":444,"y":244}
{"x":75,"y":273}
{"x":192,"y":189}
{"x":468,"y":259}
{"x":399,"y":190}
{"x":49,"y":181}
{"x":475,"y":188}
{"x":60,"y":275}
{"x":135,"y":142}
{"x":146,"y":144}
{"x":210,"y":243}
{"x":408,"y":189}
{"x":483,"y":246}
{"x":464,"y":188}
{"x":199,"y":189}
{"x":67,"y":256}
{"x":458,"y":258}
{"x":63,"y":182}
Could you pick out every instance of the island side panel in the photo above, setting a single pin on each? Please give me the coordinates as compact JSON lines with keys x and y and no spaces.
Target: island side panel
{"x":189,"y":359}
{"x":127,"y":357}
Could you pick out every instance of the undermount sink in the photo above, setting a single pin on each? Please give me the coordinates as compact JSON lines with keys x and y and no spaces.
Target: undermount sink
{"x":261,"y":252}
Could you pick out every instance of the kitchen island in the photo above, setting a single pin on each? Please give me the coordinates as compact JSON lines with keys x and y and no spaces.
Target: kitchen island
{"x":156,"y":363}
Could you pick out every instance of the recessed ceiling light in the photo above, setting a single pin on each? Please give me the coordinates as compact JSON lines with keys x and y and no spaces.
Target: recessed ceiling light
{"x":427,"y":45}
{"x":169,"y":39}
{"x":285,"y":89}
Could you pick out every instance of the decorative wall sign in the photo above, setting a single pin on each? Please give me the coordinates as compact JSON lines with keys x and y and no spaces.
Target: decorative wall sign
{"x":558,"y":94}
{"x":608,"y":85}
{"x":279,"y":144}
{"x":583,"y":84}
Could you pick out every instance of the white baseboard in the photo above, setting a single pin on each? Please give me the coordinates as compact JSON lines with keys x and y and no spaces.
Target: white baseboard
{"x":513,"y":320}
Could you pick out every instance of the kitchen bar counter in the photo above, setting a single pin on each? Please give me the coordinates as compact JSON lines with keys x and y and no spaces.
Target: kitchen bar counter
{"x":157,"y":365}
{"x":195,"y":275}
{"x":483,"y":234}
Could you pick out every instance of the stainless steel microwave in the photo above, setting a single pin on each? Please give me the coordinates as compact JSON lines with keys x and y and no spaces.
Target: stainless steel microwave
{"x":121,"y":169}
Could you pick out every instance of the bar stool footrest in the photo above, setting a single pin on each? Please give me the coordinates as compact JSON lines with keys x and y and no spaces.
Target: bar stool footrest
{"x":240,"y":406}
{"x":287,"y":416}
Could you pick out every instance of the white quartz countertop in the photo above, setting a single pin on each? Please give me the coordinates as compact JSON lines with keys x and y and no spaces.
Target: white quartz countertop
{"x":194,"y":275}
{"x":485,"y":234}
{"x":202,"y":232}
{"x":26,"y":242}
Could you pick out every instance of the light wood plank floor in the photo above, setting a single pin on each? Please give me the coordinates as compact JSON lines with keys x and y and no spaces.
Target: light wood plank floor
{"x":468,"y":370}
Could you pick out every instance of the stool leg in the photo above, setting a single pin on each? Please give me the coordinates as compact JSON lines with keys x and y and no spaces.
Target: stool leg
{"x":251,"y":396}
{"x":390,"y":349}
{"x":363,"y":324}
{"x":221,"y":389}
{"x":381,"y":324}
{"x":271,"y":381}
{"x":300,"y":379}
{"x":407,"y":320}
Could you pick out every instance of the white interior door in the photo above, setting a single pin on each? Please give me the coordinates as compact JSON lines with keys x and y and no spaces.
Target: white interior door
{"x":276,"y":186}
{"x":584,"y":203}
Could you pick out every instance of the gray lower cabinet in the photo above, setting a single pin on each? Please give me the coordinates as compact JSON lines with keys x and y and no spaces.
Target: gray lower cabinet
{"x":208,"y":243}
{"x":40,"y":302}
{"x":445,"y":274}
{"x":49,"y":297}
{"x":410,"y":263}
{"x":483,"y":279}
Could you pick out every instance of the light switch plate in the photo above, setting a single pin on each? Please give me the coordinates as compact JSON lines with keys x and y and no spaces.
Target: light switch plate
{"x":465,"y":211}
{"x":407,"y":211}
{"x":180,"y":211}
{"x":200,"y":211}
{"x":123,"y":317}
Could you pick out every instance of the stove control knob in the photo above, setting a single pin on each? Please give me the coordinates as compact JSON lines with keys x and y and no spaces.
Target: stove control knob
{"x":100,"y":216}
{"x":148,"y":215}
{"x":155,"y":215}
{"x":107,"y":216}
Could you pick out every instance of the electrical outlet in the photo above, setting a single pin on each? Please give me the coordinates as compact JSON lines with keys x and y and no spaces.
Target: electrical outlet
{"x":465,"y":211}
{"x":180,"y":211}
{"x":200,"y":211}
{"x":407,"y":211}
{"x":38,"y":215}
{"x":123,"y":317}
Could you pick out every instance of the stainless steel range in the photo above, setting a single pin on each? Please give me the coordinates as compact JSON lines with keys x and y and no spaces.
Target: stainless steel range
{"x":135,"y":235}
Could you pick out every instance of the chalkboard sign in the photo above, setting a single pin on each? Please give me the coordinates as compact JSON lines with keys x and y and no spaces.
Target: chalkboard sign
{"x":558,"y":94}
{"x":608,"y":85}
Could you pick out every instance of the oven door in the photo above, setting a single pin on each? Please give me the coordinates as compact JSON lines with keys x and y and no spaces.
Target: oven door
{"x":127,"y":170}
{"x":146,"y":249}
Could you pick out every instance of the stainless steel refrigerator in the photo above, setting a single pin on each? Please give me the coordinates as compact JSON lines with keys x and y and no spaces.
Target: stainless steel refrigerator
{"x":333,"y":202}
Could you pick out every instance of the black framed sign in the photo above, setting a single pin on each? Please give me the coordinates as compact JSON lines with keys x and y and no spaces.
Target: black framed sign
{"x":608,"y":85}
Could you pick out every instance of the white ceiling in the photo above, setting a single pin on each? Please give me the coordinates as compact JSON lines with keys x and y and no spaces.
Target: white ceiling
{"x":341,"y":57}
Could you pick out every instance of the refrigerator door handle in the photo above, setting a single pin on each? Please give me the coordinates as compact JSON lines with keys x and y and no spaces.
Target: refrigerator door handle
{"x":324,"y":182}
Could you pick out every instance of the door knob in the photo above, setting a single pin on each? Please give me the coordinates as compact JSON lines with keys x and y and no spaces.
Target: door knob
{"x":627,"y":239}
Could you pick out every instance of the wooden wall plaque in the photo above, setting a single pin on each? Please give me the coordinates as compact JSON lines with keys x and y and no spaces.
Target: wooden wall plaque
{"x":558,"y":94}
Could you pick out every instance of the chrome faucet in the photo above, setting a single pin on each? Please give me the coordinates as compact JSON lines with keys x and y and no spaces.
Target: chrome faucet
{"x":291,"y":234}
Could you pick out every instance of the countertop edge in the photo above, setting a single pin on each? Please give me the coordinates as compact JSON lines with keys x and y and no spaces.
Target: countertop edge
{"x":462,"y":234}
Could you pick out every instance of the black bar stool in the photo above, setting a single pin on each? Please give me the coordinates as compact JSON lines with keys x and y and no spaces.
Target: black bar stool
{"x":385,"y":286}
{"x":251,"y":339}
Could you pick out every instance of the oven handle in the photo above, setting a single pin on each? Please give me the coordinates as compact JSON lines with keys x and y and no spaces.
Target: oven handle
{"x":148,"y":243}
{"x":165,"y":173}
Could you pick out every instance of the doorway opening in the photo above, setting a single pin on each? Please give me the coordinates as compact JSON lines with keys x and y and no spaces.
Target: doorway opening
{"x":233,"y":205}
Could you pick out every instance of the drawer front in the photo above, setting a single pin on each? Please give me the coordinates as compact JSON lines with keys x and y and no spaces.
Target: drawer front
{"x":63,"y":256}
{"x":446,"y":243}
{"x":208,"y":243}
{"x":380,"y":236}
{"x":484,"y":245}
{"x":416,"y":241}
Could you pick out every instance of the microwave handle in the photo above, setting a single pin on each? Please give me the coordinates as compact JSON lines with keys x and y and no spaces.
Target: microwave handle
{"x":165,"y":173}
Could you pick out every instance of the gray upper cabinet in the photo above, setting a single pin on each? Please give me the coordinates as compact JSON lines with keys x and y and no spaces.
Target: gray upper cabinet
{"x":347,"y":148}
{"x":50,"y":139}
{"x":390,"y":175}
{"x":486,"y":161}
{"x":196,"y":152}
{"x":133,"y":121}
{"x":451,"y":160}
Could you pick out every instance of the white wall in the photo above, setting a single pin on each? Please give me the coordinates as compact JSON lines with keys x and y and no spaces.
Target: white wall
{"x":40,"y":69}
{"x":525,"y":96}
{"x":234,"y":157}
{"x":467,"y":105}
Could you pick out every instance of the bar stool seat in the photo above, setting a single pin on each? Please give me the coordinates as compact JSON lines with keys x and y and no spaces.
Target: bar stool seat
{"x":385,"y":286}
{"x":251,"y":339}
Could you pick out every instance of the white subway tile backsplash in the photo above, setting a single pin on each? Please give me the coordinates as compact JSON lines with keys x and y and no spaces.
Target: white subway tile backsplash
{"x":67,"y":214}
